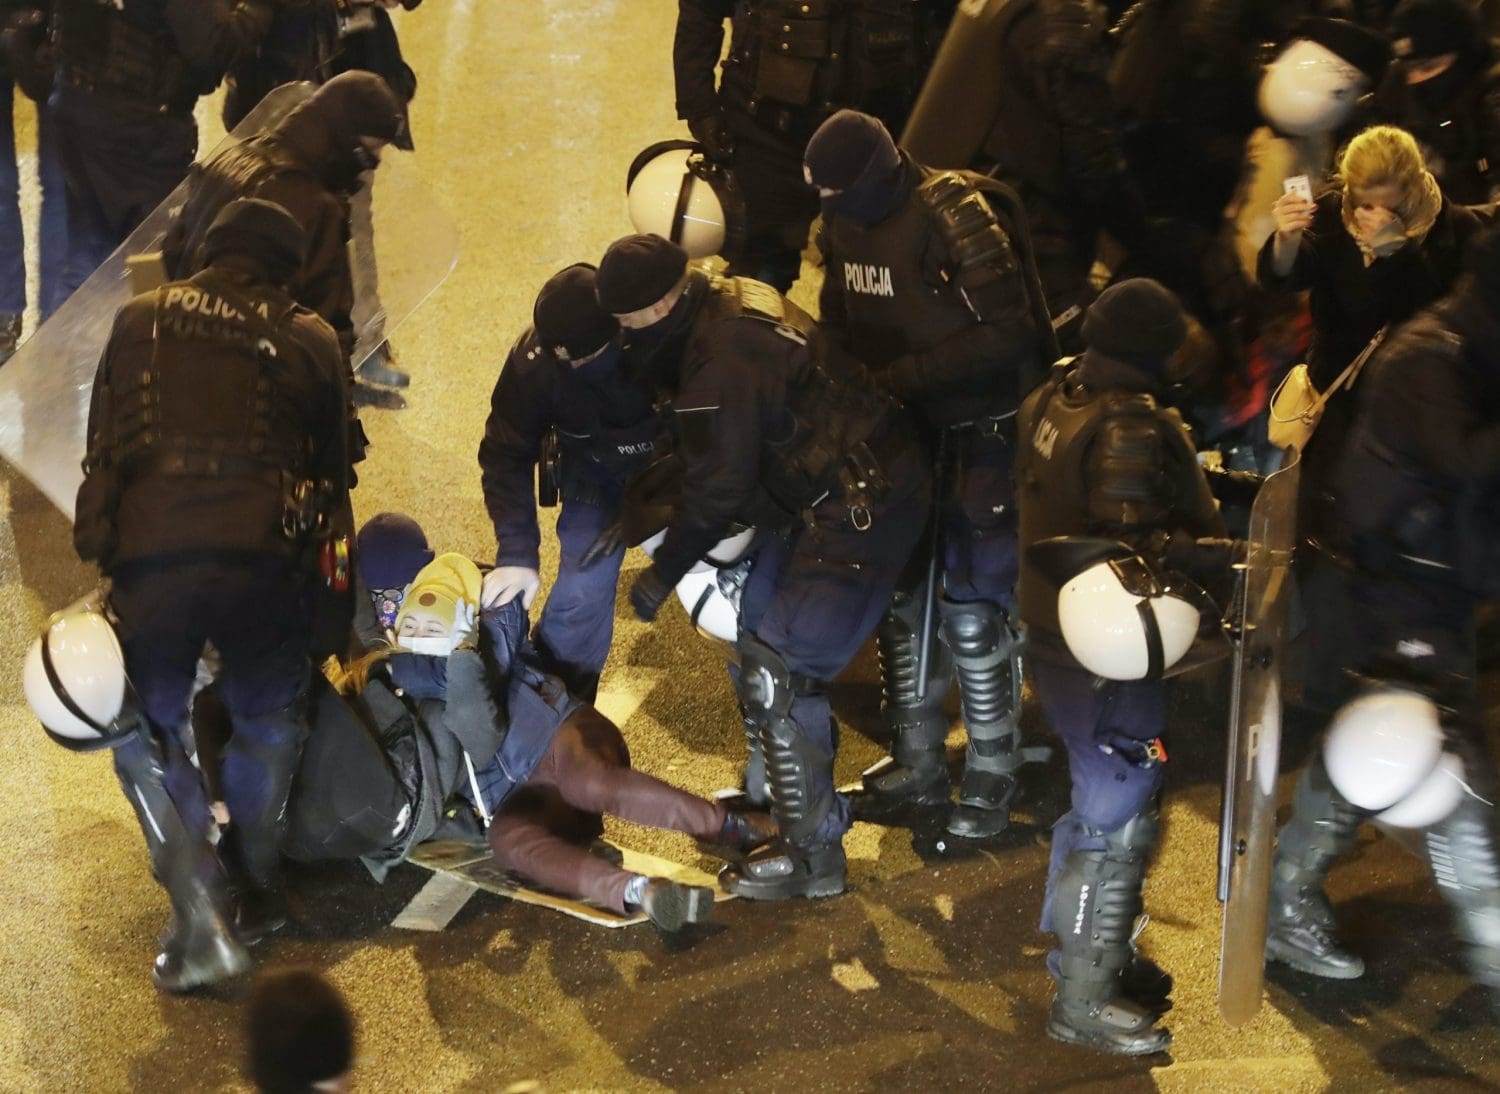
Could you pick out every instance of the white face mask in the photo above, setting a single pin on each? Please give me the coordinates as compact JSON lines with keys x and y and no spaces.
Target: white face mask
{"x":440,"y":645}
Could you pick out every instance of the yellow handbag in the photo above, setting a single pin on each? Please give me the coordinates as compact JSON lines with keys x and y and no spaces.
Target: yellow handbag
{"x":1297,"y":406}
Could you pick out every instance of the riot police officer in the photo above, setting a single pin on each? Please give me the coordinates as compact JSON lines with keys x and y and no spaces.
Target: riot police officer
{"x":311,"y":163}
{"x":215,"y":454}
{"x":1023,"y":86}
{"x":923,"y":285}
{"x":789,"y":66}
{"x":128,"y":75}
{"x":564,"y":400}
{"x":1101,"y":456}
{"x":772,"y":435}
{"x":1416,"y":516}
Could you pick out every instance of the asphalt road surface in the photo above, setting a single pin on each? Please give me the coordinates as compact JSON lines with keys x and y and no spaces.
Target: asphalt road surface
{"x":926,"y":975}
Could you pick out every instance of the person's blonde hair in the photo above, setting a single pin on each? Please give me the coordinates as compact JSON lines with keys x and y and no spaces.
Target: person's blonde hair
{"x":1385,"y":155}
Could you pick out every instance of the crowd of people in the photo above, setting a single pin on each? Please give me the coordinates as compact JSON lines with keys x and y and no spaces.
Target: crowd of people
{"x":1067,"y":255}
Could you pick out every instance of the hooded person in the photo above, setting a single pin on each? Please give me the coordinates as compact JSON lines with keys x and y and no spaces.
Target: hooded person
{"x":565,"y":416}
{"x":1101,"y":457}
{"x":311,"y":163}
{"x":1444,"y":89}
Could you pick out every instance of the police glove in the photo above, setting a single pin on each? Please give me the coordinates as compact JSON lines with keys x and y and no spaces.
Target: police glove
{"x":1197,"y":556}
{"x":648,"y":593}
{"x":504,"y":583}
{"x":712,"y":132}
{"x":608,"y":542}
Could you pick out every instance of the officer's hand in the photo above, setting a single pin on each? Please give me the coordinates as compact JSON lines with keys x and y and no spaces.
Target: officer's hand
{"x":712,"y":132}
{"x":608,"y":542}
{"x":504,"y":583}
{"x":648,"y":593}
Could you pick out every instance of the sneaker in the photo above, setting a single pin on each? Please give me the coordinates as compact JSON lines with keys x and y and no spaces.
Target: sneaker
{"x":381,"y":398}
{"x":380,"y":368}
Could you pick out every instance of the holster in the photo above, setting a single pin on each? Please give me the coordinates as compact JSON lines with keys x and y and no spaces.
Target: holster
{"x":549,"y":469}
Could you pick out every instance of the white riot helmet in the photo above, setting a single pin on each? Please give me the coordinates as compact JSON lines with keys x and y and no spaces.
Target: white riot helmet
{"x":710,"y":591}
{"x":1384,"y":753}
{"x":675,"y":191}
{"x":1121,"y":620}
{"x":75,"y":681}
{"x":1309,"y":89}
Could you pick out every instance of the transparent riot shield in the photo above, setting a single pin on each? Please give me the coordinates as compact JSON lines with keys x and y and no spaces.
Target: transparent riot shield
{"x":1248,"y":824}
{"x":45,"y":387}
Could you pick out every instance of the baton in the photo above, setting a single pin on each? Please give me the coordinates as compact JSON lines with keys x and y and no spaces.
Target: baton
{"x":929,"y":590}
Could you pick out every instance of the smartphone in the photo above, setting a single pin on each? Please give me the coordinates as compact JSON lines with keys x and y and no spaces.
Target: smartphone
{"x":1298,"y":184}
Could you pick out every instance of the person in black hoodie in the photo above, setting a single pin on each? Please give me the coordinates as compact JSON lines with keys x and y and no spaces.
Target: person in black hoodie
{"x":1417,"y":517}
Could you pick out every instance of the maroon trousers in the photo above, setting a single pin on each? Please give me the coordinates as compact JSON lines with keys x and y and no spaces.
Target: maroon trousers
{"x":542,"y":830}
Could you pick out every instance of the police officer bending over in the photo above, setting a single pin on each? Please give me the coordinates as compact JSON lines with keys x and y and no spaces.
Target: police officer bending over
{"x":1101,"y":457}
{"x":823,"y":465}
{"x":216,"y":451}
{"x":562,"y":398}
{"x":922,"y":285}
{"x":310,"y":163}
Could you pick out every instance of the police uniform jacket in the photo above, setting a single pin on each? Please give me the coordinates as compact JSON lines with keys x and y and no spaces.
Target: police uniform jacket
{"x":202,"y":411}
{"x":1100,"y":456}
{"x":606,"y":426}
{"x":894,"y":298}
{"x":761,"y":427}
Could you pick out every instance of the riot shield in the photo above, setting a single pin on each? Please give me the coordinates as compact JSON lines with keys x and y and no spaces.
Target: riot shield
{"x":1247,"y":840}
{"x":45,"y":387}
{"x":956,"y":107}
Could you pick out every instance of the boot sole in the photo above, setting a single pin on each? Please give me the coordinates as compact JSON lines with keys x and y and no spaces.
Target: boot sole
{"x":974,"y":822}
{"x":1068,"y":1035}
{"x":1298,"y":960}
{"x":681,"y":906}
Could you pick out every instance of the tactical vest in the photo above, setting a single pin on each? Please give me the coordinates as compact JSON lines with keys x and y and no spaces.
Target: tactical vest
{"x":1056,"y":428}
{"x":240,"y":171}
{"x":214,"y":397}
{"x":893,"y":306}
{"x":829,"y":422}
{"x":124,"y":50}
{"x":822,"y":54}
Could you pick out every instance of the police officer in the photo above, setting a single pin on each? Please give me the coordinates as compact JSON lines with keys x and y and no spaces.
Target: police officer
{"x":789,"y":65}
{"x":563,"y":398}
{"x":1416,"y":513}
{"x":1022,"y":86}
{"x":128,"y":75}
{"x":922,"y":284}
{"x":311,"y":163}
{"x":215,"y":453}
{"x":771,"y":436}
{"x":1101,"y":456}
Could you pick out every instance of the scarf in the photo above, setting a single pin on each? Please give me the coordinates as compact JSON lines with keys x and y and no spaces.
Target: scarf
{"x":1409,"y":226}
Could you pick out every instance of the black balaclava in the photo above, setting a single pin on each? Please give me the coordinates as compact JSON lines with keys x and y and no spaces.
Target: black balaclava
{"x":853,"y":155}
{"x":261,"y":231}
{"x":328,"y":127}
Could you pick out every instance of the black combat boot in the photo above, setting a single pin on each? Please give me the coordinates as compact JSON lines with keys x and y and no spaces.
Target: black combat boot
{"x":199,"y":947}
{"x":986,"y":656}
{"x":1301,"y":929}
{"x":1094,"y":912}
{"x":916,"y":772}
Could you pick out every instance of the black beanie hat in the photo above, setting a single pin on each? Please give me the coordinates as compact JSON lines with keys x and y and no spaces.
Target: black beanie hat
{"x":1138,"y":321}
{"x":257,"y":229}
{"x":567,"y":315}
{"x":358,"y":104}
{"x":637,"y":271}
{"x":848,"y":148}
{"x":1422,"y":29}
{"x":300,"y":1031}
{"x":1364,"y":49}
